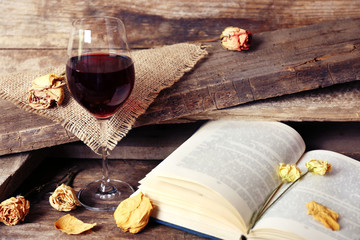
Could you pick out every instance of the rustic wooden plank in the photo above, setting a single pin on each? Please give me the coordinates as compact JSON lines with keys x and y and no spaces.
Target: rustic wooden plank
{"x":281,"y":62}
{"x":153,"y":142}
{"x":336,"y":103}
{"x":17,"y":126}
{"x":40,"y":24}
{"x":156,"y":142}
{"x":316,"y":105}
{"x":36,"y":37}
{"x":15,"y":168}
{"x":23,"y":131}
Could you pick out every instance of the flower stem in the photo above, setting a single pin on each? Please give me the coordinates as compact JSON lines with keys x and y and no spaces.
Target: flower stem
{"x":70,"y":174}
{"x":267,"y":203}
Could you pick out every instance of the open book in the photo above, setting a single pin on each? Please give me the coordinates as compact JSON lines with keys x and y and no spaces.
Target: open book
{"x":215,"y":181}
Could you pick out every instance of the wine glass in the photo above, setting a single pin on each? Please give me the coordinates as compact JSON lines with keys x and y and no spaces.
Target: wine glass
{"x":100,"y":76}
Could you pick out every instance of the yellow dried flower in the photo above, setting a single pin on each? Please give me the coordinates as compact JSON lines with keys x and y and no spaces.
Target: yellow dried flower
{"x":14,"y":210}
{"x":323,"y":214}
{"x":72,"y":225}
{"x":318,"y":166}
{"x":133,"y":213}
{"x":64,"y":198}
{"x":45,"y":91}
{"x":289,"y":172}
{"x":236,"y":39}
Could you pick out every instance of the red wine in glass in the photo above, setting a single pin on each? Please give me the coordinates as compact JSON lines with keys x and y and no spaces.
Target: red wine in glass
{"x":100,"y":76}
{"x":100,"y":82}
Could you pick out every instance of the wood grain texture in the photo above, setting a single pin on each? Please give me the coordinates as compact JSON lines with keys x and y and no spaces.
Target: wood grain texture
{"x":152,"y":142}
{"x":40,"y":24}
{"x":338,"y":103}
{"x":36,"y":37}
{"x":22,"y":131}
{"x":39,"y":223}
{"x":280,"y":62}
{"x":14,"y":169}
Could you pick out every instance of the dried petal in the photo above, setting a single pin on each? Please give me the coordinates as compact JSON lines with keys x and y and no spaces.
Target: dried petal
{"x":45,"y":91}
{"x":64,"y":199}
{"x":72,"y":225}
{"x":318,"y":166}
{"x":236,"y":39}
{"x":133,"y":213}
{"x":14,"y":210}
{"x":289,"y":172}
{"x":323,"y":214}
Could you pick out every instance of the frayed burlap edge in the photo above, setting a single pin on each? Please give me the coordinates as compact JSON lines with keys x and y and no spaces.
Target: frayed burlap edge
{"x":151,"y":78}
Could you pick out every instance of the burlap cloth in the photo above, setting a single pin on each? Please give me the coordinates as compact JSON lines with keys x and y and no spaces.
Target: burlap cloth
{"x":155,"y":69}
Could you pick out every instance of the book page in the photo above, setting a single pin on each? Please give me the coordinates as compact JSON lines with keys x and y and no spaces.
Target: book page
{"x":236,"y":159}
{"x":337,"y":190}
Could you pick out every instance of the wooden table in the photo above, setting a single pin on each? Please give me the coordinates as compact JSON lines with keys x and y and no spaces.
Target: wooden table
{"x":34,"y":35}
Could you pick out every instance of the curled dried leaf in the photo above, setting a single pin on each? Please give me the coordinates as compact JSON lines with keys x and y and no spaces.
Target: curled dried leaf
{"x":323,"y":214}
{"x":71,"y":225}
{"x":133,"y":213}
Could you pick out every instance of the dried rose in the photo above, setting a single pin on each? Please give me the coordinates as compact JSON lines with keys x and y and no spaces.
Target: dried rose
{"x":236,"y":39}
{"x":323,"y":214}
{"x":289,"y":172}
{"x":45,"y":91}
{"x":64,"y":199}
{"x":318,"y":166}
{"x":71,"y":225}
{"x":14,"y":210}
{"x":133,"y":213}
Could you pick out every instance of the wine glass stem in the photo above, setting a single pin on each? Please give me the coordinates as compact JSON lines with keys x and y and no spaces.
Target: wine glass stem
{"x":105,"y":185}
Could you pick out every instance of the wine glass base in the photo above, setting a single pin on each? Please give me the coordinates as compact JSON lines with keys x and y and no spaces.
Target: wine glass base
{"x":92,"y":198}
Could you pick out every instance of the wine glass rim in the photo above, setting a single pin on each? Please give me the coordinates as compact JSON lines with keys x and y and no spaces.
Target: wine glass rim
{"x":75,"y":21}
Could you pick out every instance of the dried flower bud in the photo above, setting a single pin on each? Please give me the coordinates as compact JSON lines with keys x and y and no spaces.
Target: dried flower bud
{"x":289,"y":172}
{"x":323,"y":214}
{"x":236,"y":39}
{"x":45,"y":91}
{"x":318,"y":166}
{"x":14,"y":210}
{"x":64,"y":199}
{"x":133,"y":213}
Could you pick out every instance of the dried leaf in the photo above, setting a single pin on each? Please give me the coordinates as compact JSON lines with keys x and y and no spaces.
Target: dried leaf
{"x":323,"y":214}
{"x":133,"y":213}
{"x":72,"y":225}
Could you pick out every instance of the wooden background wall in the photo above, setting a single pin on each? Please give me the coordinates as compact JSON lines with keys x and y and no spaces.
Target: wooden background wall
{"x":34,"y":35}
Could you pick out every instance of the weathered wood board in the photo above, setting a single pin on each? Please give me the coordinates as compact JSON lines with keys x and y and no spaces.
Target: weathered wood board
{"x":14,"y":169}
{"x":46,"y":24}
{"x":281,"y":62}
{"x":36,"y":37}
{"x":336,"y":103}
